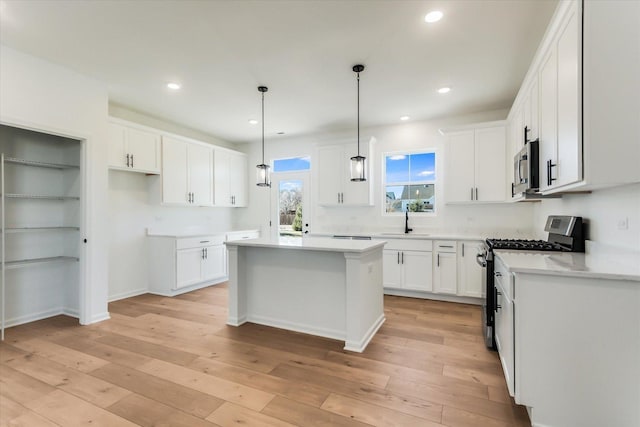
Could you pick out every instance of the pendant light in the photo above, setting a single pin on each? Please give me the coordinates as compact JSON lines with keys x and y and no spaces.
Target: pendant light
{"x":262,"y":170}
{"x":358,"y":162}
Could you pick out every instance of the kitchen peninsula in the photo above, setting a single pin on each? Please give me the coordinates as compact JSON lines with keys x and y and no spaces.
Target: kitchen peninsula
{"x":320,"y":286}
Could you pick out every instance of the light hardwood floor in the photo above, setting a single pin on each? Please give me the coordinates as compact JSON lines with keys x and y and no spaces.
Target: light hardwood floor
{"x":173,"y":361}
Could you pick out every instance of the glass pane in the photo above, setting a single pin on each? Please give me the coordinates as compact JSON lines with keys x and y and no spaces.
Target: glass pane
{"x":415,"y":198}
{"x":292,"y":164}
{"x":397,"y":168}
{"x":290,"y":208}
{"x":423,"y":167}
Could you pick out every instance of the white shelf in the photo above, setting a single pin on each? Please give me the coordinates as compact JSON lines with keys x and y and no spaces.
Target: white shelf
{"x":34,"y":261}
{"x":24,"y":162}
{"x":39,"y":197}
{"x":28,"y":229}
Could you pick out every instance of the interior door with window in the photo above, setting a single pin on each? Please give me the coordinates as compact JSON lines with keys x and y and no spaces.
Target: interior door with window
{"x":290,"y":204}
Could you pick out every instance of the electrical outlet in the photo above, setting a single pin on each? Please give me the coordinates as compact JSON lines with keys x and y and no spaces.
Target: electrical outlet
{"x":623,"y":223}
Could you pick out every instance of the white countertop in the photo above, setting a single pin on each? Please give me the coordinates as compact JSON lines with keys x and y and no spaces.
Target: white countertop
{"x":618,"y":266}
{"x":312,"y":244}
{"x":178,"y":233}
{"x":411,"y":236}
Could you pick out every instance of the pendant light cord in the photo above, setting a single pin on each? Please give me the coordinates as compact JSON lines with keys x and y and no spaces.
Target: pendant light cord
{"x":358,"y":114}
{"x":263,"y":128}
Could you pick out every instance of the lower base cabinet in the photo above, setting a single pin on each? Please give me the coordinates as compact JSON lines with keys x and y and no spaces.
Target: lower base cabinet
{"x":407,"y":264}
{"x":445,"y":270}
{"x":470,"y":274}
{"x":178,"y":265}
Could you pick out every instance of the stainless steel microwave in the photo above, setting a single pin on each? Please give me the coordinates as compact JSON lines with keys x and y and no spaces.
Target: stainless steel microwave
{"x":526,"y":173}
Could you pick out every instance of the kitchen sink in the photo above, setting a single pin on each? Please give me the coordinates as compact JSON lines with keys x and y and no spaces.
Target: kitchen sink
{"x":405,"y":234}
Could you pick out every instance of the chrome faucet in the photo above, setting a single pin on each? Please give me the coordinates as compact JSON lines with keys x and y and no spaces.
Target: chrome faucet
{"x":406,"y":222}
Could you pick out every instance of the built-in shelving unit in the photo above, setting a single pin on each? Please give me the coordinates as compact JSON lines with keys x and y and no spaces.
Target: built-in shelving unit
{"x":40,"y":219}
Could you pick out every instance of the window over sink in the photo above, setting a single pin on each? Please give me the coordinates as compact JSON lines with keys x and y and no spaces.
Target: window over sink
{"x":410,"y":182}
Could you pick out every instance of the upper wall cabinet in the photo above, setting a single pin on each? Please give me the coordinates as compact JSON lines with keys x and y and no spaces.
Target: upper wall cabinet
{"x":133,"y":149}
{"x":335,"y":187}
{"x":230,"y":178}
{"x":587,"y":97}
{"x":187,"y":173}
{"x":475,"y":164}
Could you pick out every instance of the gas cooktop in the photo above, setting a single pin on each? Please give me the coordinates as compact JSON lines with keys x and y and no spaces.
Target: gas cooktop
{"x":525,"y":245}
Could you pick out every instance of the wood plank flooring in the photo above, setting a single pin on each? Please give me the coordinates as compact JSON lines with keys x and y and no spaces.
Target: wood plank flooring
{"x":174,"y":362}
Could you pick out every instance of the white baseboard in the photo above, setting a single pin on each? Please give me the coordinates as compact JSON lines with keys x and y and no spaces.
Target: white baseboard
{"x":236,"y":321}
{"x":173,"y":293}
{"x":297,"y":327}
{"x":359,"y":346}
{"x":432,"y":296}
{"x":34,"y":317}
{"x":100,"y":317}
{"x":128,"y":294}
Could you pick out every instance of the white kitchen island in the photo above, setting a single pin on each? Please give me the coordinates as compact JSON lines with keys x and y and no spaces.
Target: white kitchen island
{"x":320,"y":286}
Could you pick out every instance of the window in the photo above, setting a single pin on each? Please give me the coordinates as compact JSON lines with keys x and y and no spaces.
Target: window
{"x":292,"y":164}
{"x":410,"y":182}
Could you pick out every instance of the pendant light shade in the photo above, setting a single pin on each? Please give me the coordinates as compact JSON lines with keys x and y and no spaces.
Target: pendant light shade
{"x":357,"y":166}
{"x":262,"y":170}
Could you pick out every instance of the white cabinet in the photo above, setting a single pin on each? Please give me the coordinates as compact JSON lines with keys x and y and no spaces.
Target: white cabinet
{"x":407,"y":264}
{"x":133,"y":149}
{"x":178,"y":265}
{"x":504,"y":322}
{"x":335,"y":187}
{"x":187,"y":173}
{"x":41,"y":213}
{"x":475,"y":164}
{"x":560,"y":107}
{"x":470,"y":274}
{"x":230,"y":171}
{"x":445,"y":270}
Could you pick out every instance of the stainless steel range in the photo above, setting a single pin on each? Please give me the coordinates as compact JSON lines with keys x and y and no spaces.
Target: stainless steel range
{"x":566,"y":234}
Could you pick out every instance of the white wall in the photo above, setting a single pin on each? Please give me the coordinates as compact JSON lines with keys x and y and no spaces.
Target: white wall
{"x":42,"y":96}
{"x":489,"y":219}
{"x":603,"y":209}
{"x":133,"y":208}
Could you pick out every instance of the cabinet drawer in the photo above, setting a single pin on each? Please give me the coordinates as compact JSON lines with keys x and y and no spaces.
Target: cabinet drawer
{"x":241,"y":235}
{"x":446,"y":246}
{"x":200,"y":241}
{"x":408,"y":245}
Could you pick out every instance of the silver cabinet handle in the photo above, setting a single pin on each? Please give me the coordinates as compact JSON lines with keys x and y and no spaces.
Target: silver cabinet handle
{"x":403,"y":257}
{"x":445,"y":246}
{"x":132,"y":160}
{"x":206,"y":253}
{"x":463,"y":249}
{"x":438,"y":263}
{"x":202,"y":253}
{"x":341,"y":197}
{"x":471,"y":193}
{"x":127,"y":159}
{"x":398,"y":258}
{"x":476,"y":193}
{"x":204,"y":241}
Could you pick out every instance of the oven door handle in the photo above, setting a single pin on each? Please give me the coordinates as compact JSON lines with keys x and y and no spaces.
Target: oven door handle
{"x":481,"y":260}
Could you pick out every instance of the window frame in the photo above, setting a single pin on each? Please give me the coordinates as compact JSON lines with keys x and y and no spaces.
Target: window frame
{"x":435,"y":182}
{"x":305,"y":156}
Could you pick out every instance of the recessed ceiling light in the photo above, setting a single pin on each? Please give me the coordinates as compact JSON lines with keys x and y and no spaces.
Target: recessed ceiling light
{"x":253,"y":122}
{"x":433,"y":16}
{"x":444,"y":90}
{"x":405,"y":118}
{"x":173,"y":86}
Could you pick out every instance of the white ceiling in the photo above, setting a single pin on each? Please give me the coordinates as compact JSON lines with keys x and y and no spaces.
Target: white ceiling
{"x":220,"y":51}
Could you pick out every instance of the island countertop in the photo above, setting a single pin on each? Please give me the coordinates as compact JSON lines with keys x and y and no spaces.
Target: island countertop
{"x":312,"y":244}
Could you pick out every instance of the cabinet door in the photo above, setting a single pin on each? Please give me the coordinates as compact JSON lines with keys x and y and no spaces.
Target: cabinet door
{"x":117,"y":143}
{"x":200,"y":161}
{"x":470,"y":274}
{"x":189,"y":266}
{"x":391,"y":269}
{"x":355,"y":193}
{"x":569,"y":162}
{"x":175,"y":179}
{"x":490,"y":168}
{"x":238,"y":179}
{"x":418,"y":274}
{"x":445,"y":273}
{"x":505,"y":338}
{"x":460,"y":156}
{"x":548,"y":116}
{"x":330,"y":175}
{"x":222,"y":190}
{"x":144,"y":150}
{"x":214,"y":263}
{"x":532,"y":114}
